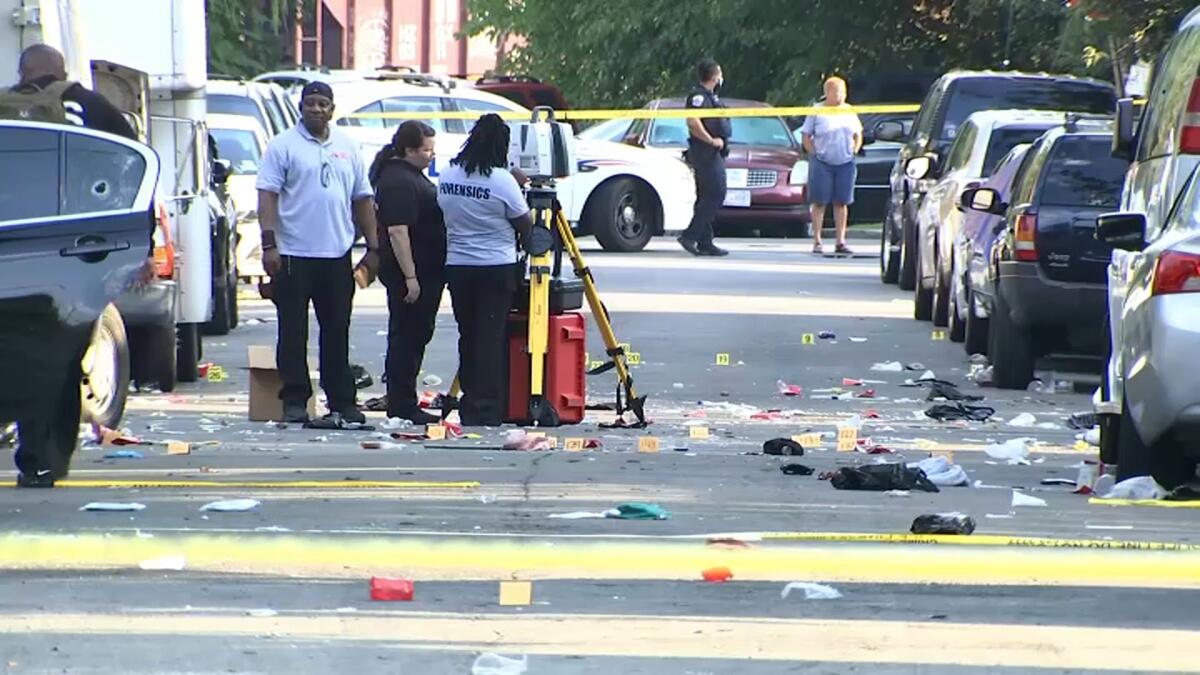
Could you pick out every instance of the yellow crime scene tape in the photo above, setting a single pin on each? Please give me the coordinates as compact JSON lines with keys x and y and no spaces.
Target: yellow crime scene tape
{"x":647,"y":113}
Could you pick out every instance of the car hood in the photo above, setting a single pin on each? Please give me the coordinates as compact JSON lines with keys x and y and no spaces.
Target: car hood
{"x":762,"y":155}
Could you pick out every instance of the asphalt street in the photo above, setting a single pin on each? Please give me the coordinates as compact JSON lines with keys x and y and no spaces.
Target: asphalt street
{"x":1075,"y":585}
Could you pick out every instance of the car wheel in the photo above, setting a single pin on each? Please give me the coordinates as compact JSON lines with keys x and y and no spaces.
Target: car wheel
{"x":1010,"y":349}
{"x":105,"y":382}
{"x":889,"y":261}
{"x":907,"y":276}
{"x":922,"y":299}
{"x":941,"y":293}
{"x":1110,"y":435}
{"x":187,"y":352}
{"x":621,"y":215}
{"x":977,"y":329}
{"x":163,"y":369}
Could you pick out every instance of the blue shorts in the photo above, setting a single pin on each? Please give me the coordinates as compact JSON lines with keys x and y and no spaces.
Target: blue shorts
{"x":831,"y":183}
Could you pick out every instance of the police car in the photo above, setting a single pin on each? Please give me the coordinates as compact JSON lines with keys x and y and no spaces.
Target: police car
{"x":622,"y":195}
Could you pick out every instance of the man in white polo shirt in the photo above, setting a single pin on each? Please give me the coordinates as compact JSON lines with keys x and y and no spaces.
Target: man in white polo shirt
{"x":313,"y":194}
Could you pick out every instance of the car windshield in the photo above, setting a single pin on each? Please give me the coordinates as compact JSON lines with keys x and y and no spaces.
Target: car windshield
{"x":1004,"y":140}
{"x":229,"y":104}
{"x":612,"y":130}
{"x":769,"y":131}
{"x":972,"y":95}
{"x":1082,"y":172}
{"x":240,"y":147}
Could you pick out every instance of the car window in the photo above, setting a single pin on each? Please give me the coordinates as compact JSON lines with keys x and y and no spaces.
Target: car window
{"x":925,"y":116}
{"x":612,"y":130}
{"x":668,"y":133}
{"x":29,"y":173}
{"x":279,"y":122}
{"x":240,"y":147}
{"x":229,"y":104}
{"x":472,"y":105}
{"x":960,"y":152}
{"x":100,"y":175}
{"x":1172,"y":87}
{"x":1027,"y":176}
{"x":1083,"y":172}
{"x":1002,"y":141}
{"x":369,"y":122}
{"x":401,"y":104}
{"x":759,"y":131}
{"x":1186,"y":214}
{"x":970,"y":95}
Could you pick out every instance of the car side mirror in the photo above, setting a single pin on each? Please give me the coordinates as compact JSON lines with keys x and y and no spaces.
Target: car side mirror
{"x":984,"y":200}
{"x":222,"y":169}
{"x":889,"y":131}
{"x":1126,"y":231}
{"x":919,"y":167}
{"x":1122,"y":142}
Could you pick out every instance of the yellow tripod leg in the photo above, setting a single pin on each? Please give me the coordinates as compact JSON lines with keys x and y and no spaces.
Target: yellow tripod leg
{"x":539,"y":327}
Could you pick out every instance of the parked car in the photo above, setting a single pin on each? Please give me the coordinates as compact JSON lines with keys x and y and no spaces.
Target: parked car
{"x":1045,"y":287}
{"x":766,"y":172}
{"x":265,"y":102}
{"x":75,"y":221}
{"x":292,"y":81}
{"x":973,"y":250}
{"x":523,"y":90}
{"x":241,"y":142}
{"x":984,"y":138}
{"x":950,"y":101}
{"x":621,"y":194}
{"x":1157,"y":430}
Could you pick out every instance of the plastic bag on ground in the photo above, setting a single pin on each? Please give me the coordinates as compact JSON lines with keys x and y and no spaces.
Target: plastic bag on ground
{"x":113,"y":506}
{"x":881,"y":478}
{"x":1015,"y":449}
{"x":789,"y":389}
{"x":812,"y":591}
{"x":941,"y":472}
{"x":1023,"y":420}
{"x":231,"y":505}
{"x":1022,"y":499}
{"x":638,"y":511}
{"x":1141,"y":487}
{"x":494,"y":664}
{"x":889,"y":367}
{"x":950,"y":412}
{"x":940,"y":389}
{"x":943,"y":523}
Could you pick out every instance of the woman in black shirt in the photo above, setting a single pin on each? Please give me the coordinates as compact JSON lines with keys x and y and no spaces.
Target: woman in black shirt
{"x":412,"y":242}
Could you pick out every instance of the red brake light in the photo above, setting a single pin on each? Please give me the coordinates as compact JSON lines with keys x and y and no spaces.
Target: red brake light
{"x":1189,"y":135}
{"x":164,"y":248}
{"x":1026,"y":248}
{"x":1177,"y":273}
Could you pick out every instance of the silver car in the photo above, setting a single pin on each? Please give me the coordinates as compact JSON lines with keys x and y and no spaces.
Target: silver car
{"x":1150,"y":401}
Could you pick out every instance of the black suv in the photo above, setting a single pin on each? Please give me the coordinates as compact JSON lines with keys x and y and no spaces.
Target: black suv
{"x":1045,"y":288}
{"x":950,"y":101}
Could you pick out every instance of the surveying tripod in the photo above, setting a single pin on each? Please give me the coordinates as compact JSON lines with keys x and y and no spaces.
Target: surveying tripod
{"x":549,"y":238}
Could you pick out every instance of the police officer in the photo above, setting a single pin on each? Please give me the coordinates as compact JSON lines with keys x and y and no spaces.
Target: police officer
{"x":708,"y":140}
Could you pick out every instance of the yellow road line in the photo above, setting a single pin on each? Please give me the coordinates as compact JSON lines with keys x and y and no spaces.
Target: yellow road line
{"x":651,"y":114}
{"x":336,"y":484}
{"x":1146,"y":502}
{"x":709,"y":637}
{"x":977,"y":540}
{"x":460,"y":559}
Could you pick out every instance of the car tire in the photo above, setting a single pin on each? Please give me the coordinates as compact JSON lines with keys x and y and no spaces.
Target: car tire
{"x":163,"y":369}
{"x":922,"y":300}
{"x":621,"y":215}
{"x":104,"y":386}
{"x":1110,"y":438}
{"x":187,"y":352}
{"x":907,"y":276}
{"x":1011,"y":350}
{"x":941,"y":293}
{"x":889,"y":261}
{"x":976,"y":328}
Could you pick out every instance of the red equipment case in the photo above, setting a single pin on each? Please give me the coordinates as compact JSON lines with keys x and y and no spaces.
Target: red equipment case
{"x":565,"y":388}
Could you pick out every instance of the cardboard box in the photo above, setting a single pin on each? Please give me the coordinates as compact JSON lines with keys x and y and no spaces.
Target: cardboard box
{"x":265,"y":384}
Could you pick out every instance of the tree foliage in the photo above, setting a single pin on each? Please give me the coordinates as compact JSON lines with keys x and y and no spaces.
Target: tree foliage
{"x":247,"y":37}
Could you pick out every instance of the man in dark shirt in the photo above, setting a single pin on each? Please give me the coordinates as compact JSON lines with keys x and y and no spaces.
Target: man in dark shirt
{"x":708,"y":140}
{"x":42,"y":65}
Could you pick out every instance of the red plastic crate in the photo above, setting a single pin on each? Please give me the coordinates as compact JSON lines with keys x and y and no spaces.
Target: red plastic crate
{"x":566,"y":387}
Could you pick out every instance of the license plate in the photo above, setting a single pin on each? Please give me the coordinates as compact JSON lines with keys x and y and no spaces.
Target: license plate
{"x":737,"y":198}
{"x":737,"y":178}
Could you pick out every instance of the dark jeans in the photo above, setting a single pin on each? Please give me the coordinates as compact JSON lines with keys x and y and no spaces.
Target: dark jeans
{"x":410,"y":328}
{"x":47,"y":438}
{"x":328,"y":283}
{"x":482,"y":298}
{"x":708,"y":168}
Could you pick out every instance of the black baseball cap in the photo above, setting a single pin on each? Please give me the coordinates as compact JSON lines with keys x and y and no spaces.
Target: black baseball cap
{"x":318,"y":88}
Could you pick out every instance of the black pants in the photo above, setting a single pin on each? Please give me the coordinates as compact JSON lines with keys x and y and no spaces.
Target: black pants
{"x":47,"y":438}
{"x":708,"y":167}
{"x":328,"y":283}
{"x":410,"y":328}
{"x":482,"y":298}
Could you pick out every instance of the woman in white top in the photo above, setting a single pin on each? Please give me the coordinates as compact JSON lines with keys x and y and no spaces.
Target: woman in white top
{"x":484,"y":210}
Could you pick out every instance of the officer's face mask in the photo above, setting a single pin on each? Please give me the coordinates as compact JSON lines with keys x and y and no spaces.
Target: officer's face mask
{"x":717,"y":86}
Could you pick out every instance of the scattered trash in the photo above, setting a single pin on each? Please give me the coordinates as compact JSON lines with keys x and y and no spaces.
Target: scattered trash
{"x":1183,"y":493}
{"x":335,"y":422}
{"x":580,"y":515}
{"x":866,"y":393}
{"x":729,"y":542}
{"x":942,"y":389}
{"x":677,"y":385}
{"x":362,"y":379}
{"x":796,"y":470}
{"x":871,"y":449}
{"x":717,"y":575}
{"x":386,"y":589}
{"x":519,"y":439}
{"x":1021,"y":499}
{"x":881,"y":478}
{"x":1092,"y":437}
{"x":941,"y":471}
{"x":638,"y":511}
{"x":943,"y":523}
{"x":1141,"y":487}
{"x":431,"y":380}
{"x":231,"y":505}
{"x":827,"y":335}
{"x":812,"y":591}
{"x":981,"y":375}
{"x":858,"y":339}
{"x":898,"y":493}
{"x":377,"y":404}
{"x":394,"y":423}
{"x":494,"y":664}
{"x":789,"y":389}
{"x":783,"y":446}
{"x":1014,"y":451}
{"x":106,"y":436}
{"x":113,"y":506}
{"x":1058,"y":481}
{"x":889,"y":367}
{"x":960,"y":411}
{"x":851,"y":382}
{"x":168,"y":562}
{"x":916,"y":365}
{"x":263,"y":612}
{"x":124,"y":454}
{"x":1082,"y":421}
{"x":999,"y":516}
{"x":978,"y":360}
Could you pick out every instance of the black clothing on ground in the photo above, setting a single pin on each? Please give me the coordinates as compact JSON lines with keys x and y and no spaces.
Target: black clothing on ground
{"x":328,"y":283}
{"x":87,"y":108}
{"x":708,"y":168}
{"x":482,"y":297}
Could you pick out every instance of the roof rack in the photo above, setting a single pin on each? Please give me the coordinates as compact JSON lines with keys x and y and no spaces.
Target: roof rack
{"x":507,"y":79}
{"x":1073,"y":120}
{"x":407,"y":75}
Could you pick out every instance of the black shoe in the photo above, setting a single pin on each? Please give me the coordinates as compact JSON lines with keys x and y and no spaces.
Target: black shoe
{"x":295,"y":412}
{"x":417,"y":416}
{"x":351,"y":415}
{"x":41,"y":479}
{"x":714,"y":251}
{"x":689,"y":245}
